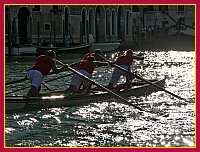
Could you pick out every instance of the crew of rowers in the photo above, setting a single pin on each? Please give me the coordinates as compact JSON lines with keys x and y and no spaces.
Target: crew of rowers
{"x":92,"y":60}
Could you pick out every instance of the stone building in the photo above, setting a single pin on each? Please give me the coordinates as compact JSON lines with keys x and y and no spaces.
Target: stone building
{"x":57,"y":25}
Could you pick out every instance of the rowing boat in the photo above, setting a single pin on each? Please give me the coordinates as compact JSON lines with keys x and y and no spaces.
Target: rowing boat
{"x":19,"y":103}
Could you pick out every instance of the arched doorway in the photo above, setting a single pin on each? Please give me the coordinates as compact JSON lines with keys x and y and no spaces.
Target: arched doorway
{"x":100,"y":24}
{"x":121,"y":24}
{"x":83,"y":27}
{"x":91,"y":25}
{"x":91,"y":22}
{"x":84,"y":22}
{"x":23,"y":20}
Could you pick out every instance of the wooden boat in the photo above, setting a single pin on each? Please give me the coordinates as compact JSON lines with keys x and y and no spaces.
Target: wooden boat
{"x":83,"y":48}
{"x":105,"y":47}
{"x":20,"y":103}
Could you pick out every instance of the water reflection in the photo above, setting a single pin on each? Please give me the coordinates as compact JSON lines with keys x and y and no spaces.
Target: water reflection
{"x":111,"y":123}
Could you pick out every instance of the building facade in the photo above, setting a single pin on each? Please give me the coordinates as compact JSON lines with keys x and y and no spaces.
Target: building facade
{"x":42,"y":25}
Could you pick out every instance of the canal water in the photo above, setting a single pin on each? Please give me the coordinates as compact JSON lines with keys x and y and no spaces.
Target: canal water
{"x":109,"y":124}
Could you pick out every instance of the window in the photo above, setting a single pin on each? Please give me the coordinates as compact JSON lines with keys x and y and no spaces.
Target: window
{"x":135,"y":8}
{"x":47,"y":27}
{"x":180,"y":7}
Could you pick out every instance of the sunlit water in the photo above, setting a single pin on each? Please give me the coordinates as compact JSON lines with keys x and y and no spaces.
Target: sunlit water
{"x":111,"y":123}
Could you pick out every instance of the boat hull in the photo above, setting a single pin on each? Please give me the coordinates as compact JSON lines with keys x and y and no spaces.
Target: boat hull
{"x":75,"y":49}
{"x":105,"y":47}
{"x":23,"y":103}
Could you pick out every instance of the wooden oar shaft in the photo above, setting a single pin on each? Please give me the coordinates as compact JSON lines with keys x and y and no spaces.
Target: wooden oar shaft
{"x":123,"y":100}
{"x":16,"y":81}
{"x":59,"y":62}
{"x":17,"y":90}
{"x":151,"y":83}
{"x":46,"y":86}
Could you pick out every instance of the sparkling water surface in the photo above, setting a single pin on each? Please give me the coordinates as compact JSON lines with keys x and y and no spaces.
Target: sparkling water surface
{"x":109,"y":124}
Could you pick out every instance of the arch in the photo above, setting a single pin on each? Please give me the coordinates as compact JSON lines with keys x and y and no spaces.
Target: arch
{"x":121,"y":23}
{"x":23,"y":19}
{"x":83,"y":15}
{"x":100,"y":24}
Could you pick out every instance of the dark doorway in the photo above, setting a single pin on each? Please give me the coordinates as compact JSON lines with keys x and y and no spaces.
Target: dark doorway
{"x":23,"y":18}
{"x":121,"y":24}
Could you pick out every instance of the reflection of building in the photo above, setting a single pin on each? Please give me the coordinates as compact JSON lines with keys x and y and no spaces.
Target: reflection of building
{"x":48,"y":24}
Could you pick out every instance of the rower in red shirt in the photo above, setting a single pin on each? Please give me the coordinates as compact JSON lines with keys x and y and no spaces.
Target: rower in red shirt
{"x":42,"y":67}
{"x":125,"y":61}
{"x":85,"y":67}
{"x":97,"y":54}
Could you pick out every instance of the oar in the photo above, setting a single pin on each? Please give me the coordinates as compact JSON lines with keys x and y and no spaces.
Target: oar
{"x":46,"y":86}
{"x":151,"y":83}
{"x":16,"y":81}
{"x":123,"y":100}
{"x":69,"y":74}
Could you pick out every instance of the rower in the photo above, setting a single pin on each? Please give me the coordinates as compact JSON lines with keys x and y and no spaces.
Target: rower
{"x":124,"y":61}
{"x":42,"y":67}
{"x":85,"y":67}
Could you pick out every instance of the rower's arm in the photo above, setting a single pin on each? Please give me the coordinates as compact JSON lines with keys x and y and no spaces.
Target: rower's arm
{"x":55,"y":69}
{"x":99,"y":57}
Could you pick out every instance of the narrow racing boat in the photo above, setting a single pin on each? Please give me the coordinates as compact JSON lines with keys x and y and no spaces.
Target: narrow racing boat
{"x":19,"y":103}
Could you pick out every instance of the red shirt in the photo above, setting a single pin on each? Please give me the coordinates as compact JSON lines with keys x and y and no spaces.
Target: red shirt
{"x":123,"y":59}
{"x":43,"y":64}
{"x":87,"y":66}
